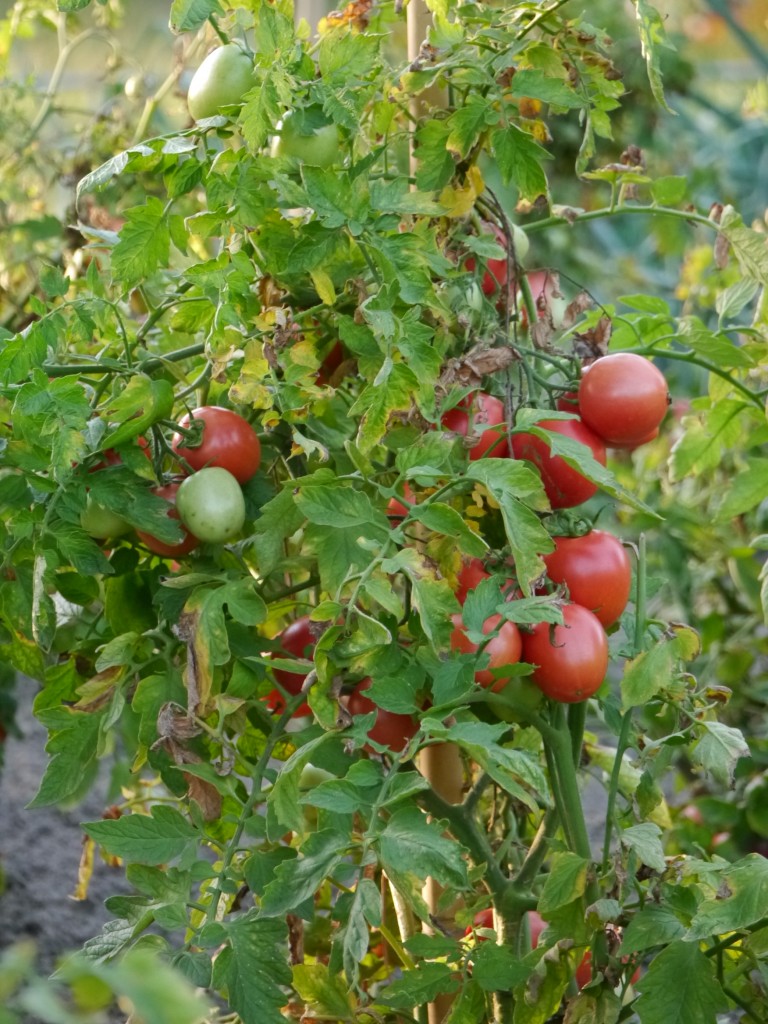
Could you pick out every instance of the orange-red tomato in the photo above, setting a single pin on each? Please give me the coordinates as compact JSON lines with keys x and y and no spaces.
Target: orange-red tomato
{"x":623,"y":397}
{"x":596,"y":570}
{"x":389,"y":729}
{"x":471,"y":573}
{"x":228,"y":441}
{"x":570,"y":660}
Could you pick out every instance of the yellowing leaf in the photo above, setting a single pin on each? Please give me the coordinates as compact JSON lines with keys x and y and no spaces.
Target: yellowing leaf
{"x":324,"y":286}
{"x":458,"y":202}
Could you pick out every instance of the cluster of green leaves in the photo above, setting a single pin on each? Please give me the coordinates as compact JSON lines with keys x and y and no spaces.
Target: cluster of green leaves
{"x":217,"y":272}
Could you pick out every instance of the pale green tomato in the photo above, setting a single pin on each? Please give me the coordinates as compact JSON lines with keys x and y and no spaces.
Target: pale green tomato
{"x":307,"y":136}
{"x":223,"y":78}
{"x":211,"y":505}
{"x":101,"y":522}
{"x":522,"y":245}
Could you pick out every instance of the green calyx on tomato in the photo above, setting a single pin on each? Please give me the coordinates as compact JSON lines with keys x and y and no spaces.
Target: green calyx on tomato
{"x":570,"y":661}
{"x":564,"y":485}
{"x":596,"y":570}
{"x":623,"y":397}
{"x":211,"y":505}
{"x":308,"y":136}
{"x":222,"y":80}
{"x":227,"y":441}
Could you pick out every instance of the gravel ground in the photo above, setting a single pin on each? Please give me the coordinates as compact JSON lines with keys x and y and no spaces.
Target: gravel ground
{"x":40,"y":853}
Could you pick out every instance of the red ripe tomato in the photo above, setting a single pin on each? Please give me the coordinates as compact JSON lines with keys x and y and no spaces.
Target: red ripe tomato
{"x":569,"y":402}
{"x":503,"y":649}
{"x":479,"y":415}
{"x":396,"y":509}
{"x":160,"y":547}
{"x":275,"y":701}
{"x":596,"y":570}
{"x":564,"y":486}
{"x":470,"y":574}
{"x":297,"y":641}
{"x":623,"y":397}
{"x":389,"y":729}
{"x":482,"y":919}
{"x":570,"y":660}
{"x":536,"y":925}
{"x":229,"y":442}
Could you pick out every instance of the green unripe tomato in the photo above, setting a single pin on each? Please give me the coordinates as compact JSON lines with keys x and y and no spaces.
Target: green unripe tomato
{"x":211,"y":505}
{"x":101,"y":522}
{"x":307,"y":136}
{"x":522,"y":245}
{"x":223,"y":78}
{"x":312,"y":776}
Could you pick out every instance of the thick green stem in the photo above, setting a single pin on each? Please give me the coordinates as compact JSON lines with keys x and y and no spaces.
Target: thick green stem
{"x":560,"y":748}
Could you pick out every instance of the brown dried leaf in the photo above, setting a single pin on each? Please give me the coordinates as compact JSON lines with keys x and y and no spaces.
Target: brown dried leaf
{"x":593,"y":344}
{"x":469,"y":371}
{"x":356,"y":14}
{"x":578,"y":305}
{"x":174,"y":723}
{"x":722,"y":249}
{"x":205,"y":795}
{"x":98,"y":691}
{"x":84,"y":870}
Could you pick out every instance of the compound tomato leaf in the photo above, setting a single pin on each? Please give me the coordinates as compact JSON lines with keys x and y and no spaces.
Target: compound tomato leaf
{"x":189,"y":15}
{"x":718,"y":749}
{"x":73,"y":746}
{"x":745,"y":885}
{"x":326,"y":995}
{"x":419,"y":986}
{"x":297,"y":880}
{"x":680,"y":987}
{"x":410,"y":838}
{"x":144,"y":243}
{"x":148,"y":839}
{"x":254,"y":968}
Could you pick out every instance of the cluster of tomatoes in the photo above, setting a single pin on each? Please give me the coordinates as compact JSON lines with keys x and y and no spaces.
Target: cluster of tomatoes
{"x":208,"y":500}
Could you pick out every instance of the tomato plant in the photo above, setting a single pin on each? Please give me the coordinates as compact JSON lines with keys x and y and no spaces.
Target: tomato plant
{"x":307,"y":271}
{"x":211,"y":505}
{"x":503,"y":649}
{"x":596,"y":570}
{"x":479,"y":417}
{"x":623,"y":397}
{"x":389,"y":729}
{"x":564,"y":485}
{"x":159,"y":547}
{"x":227,"y":441}
{"x":222,"y":80}
{"x":101,"y":522}
{"x":570,"y":659}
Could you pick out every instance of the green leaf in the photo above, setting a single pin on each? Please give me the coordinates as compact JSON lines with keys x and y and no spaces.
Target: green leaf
{"x":433,"y":598}
{"x":652,"y":36}
{"x":410,"y":840}
{"x":299,"y":879}
{"x":441,"y":518}
{"x":566,"y":882}
{"x":669,"y":190}
{"x":647,"y":674}
{"x":419,"y":986}
{"x":73,"y":746}
{"x":189,"y":15}
{"x":254,"y":968}
{"x":749,"y":246}
{"x":654,"y":925}
{"x":326,"y":995}
{"x":745,"y":491}
{"x":645,"y":841}
{"x":741,"y":900}
{"x":340,"y":552}
{"x":327,"y":503}
{"x":144,"y":243}
{"x":337,"y":199}
{"x":435,"y":163}
{"x":496,"y":968}
{"x":392,"y":392}
{"x":279,"y":518}
{"x":261,"y":111}
{"x":680,"y":987}
{"x":283,"y":800}
{"x":718,"y":749}
{"x":539,"y":85}
{"x":466,"y":123}
{"x":154,"y":839}
{"x":519,"y":159}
